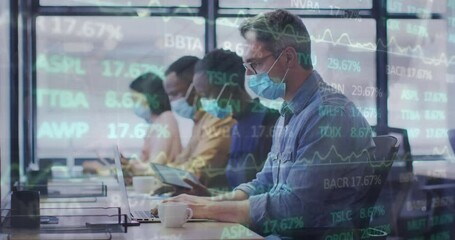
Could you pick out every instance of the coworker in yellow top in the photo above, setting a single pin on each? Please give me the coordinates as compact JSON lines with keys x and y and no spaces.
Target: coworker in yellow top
{"x":207,"y":152}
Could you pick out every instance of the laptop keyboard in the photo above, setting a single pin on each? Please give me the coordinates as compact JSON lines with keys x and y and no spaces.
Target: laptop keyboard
{"x":143,"y":215}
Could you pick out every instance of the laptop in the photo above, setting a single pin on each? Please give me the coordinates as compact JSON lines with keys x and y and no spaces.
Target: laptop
{"x":140,"y":215}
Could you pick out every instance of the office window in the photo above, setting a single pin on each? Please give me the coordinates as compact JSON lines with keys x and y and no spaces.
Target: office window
{"x":84,"y":68}
{"x":451,"y":66}
{"x":4,"y":101}
{"x":418,"y":84}
{"x":122,"y":3}
{"x":330,"y":4}
{"x":424,"y":7}
{"x":451,"y":36}
{"x":343,"y":52}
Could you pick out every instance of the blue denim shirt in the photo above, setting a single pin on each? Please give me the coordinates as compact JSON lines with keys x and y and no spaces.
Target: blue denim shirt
{"x":317,"y":163}
{"x":251,"y":140}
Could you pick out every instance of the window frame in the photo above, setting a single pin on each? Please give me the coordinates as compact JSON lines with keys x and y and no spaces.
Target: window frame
{"x":209,"y":9}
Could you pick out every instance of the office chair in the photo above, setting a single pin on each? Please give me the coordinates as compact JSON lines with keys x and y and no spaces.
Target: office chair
{"x":398,"y":183}
{"x":417,"y":190}
{"x":386,"y":150}
{"x":424,"y":190}
{"x":387,"y":147}
{"x":419,"y":195}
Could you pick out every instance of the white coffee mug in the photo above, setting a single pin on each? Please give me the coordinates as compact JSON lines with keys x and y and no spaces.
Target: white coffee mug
{"x":145,"y":184}
{"x":174,"y":215}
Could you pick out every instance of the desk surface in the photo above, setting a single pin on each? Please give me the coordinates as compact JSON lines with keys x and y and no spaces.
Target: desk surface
{"x":155,"y":231}
{"x":146,"y":231}
{"x":202,"y":230}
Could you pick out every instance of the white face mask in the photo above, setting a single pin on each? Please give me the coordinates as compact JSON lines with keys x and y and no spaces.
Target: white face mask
{"x":143,"y":112}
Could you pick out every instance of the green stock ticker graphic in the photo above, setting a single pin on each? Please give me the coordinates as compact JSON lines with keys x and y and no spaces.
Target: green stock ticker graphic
{"x":74,"y":99}
{"x":280,"y":225}
{"x":345,"y":65}
{"x":62,"y":130}
{"x":347,"y":215}
{"x":141,"y":130}
{"x":61,"y":98}
{"x":110,"y":68}
{"x":237,"y":231}
{"x":118,"y":130}
{"x":59,"y":63}
{"x":129,"y":70}
{"x":430,"y":97}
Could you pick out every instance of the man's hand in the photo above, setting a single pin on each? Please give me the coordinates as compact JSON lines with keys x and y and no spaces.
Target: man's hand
{"x":135,"y":167}
{"x":124,"y":160}
{"x":204,"y":207}
{"x":199,"y":205}
{"x":139,"y":168}
{"x":92,"y":167}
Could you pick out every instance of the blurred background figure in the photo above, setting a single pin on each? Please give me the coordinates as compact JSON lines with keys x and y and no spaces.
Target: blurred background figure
{"x":162,"y":138}
{"x":207,"y":151}
{"x":179,"y":87}
{"x":219,"y":80}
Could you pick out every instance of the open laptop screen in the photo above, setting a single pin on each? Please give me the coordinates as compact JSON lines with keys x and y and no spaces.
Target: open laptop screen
{"x":125,"y":206}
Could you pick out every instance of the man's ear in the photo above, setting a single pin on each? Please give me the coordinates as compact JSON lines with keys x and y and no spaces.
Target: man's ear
{"x":196,"y":101}
{"x":291,"y":56}
{"x":192,"y":97}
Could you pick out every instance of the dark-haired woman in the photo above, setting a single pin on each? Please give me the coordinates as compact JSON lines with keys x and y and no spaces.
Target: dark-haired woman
{"x":162,"y":141}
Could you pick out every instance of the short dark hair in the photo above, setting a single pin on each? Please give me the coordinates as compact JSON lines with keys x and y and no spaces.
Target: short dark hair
{"x":151,"y":85}
{"x":224,"y":65}
{"x":183,"y":68}
{"x":280,"y":29}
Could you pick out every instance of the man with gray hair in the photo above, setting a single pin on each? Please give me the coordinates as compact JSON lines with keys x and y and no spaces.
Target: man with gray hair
{"x":317,"y":164}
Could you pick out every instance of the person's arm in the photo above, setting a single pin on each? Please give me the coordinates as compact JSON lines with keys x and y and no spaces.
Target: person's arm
{"x":308,"y":197}
{"x":162,"y":139}
{"x":261,"y":184}
{"x":236,"y":195}
{"x":229,"y":211}
{"x":264,"y":179}
{"x":308,"y":193}
{"x":225,"y":211}
{"x":210,"y":153}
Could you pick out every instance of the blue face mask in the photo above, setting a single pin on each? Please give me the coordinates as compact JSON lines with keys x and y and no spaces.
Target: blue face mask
{"x":143,"y":112}
{"x":182,"y":108}
{"x":211,"y":106}
{"x":263,"y":86}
